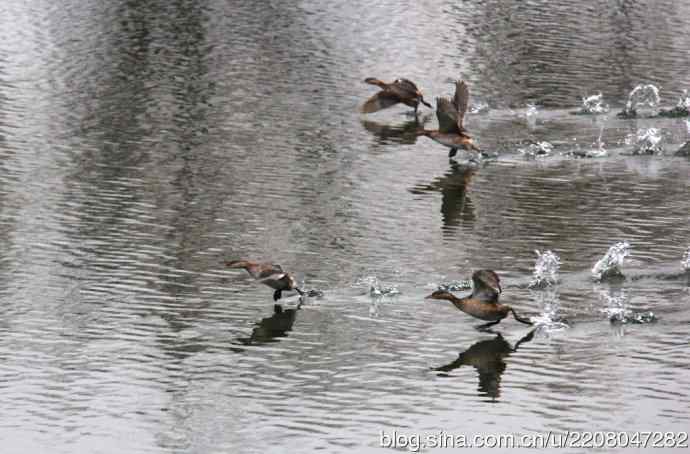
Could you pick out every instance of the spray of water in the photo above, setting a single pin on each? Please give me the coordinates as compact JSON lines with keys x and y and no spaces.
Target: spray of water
{"x":455,"y":286}
{"x":646,"y":141}
{"x":685,"y":263}
{"x":610,"y":264}
{"x":545,"y":269}
{"x":681,"y":109}
{"x":643,"y":96}
{"x":536,"y":150}
{"x":478,"y":107}
{"x":617,"y":310}
{"x":684,"y":101}
{"x":376,"y":288}
{"x":544,"y":278}
{"x":594,"y":105}
{"x":549,"y":318}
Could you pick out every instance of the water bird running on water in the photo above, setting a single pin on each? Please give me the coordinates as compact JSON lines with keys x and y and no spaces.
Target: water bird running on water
{"x":483,"y":302}
{"x":269,"y":274}
{"x":399,"y":91}
{"x":451,"y":114}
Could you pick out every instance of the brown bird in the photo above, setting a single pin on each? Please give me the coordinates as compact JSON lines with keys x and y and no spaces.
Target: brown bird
{"x":400,"y":90}
{"x":451,"y":114}
{"x":268,"y":274}
{"x":483,"y":302}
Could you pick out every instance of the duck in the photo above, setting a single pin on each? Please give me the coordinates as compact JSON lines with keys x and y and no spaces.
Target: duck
{"x":483,"y":302}
{"x":399,"y":91}
{"x":269,"y":274}
{"x":451,"y":114}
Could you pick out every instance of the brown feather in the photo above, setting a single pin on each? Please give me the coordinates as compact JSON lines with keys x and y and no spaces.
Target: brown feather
{"x":461,"y":101}
{"x":378,"y":102}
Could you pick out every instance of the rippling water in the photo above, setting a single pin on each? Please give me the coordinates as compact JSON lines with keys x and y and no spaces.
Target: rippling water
{"x":141,"y":145}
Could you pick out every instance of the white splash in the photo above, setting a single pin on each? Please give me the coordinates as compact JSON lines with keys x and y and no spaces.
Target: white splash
{"x":610,"y":263}
{"x":643,"y":96}
{"x":685,"y":263}
{"x":594,"y":105}
{"x":549,"y":318}
{"x":684,"y":101}
{"x":545,"y":269}
{"x":478,"y":107}
{"x":598,"y":150}
{"x":537,"y":149}
{"x":617,"y":310}
{"x":376,"y":288}
{"x":646,"y":141}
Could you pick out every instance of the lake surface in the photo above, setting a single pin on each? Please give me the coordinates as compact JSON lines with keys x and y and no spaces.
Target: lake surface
{"x":144,"y":143}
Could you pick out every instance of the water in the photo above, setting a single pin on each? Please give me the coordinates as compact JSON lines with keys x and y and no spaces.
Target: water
{"x":594,"y":105}
{"x":610,"y":264}
{"x":646,"y":141}
{"x":643,"y":99}
{"x":142,"y":144}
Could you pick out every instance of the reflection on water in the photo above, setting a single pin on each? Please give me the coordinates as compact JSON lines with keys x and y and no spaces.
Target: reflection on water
{"x":488,"y":358}
{"x":456,"y":206}
{"x":268,"y":329}
{"x":144,"y":143}
{"x":404,"y":134}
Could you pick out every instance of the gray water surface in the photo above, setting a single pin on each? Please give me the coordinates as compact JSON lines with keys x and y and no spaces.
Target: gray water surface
{"x":144,"y":143}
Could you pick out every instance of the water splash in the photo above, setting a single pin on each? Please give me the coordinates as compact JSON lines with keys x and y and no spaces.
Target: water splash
{"x":646,"y":141}
{"x":545,"y":269}
{"x":609,"y":265}
{"x":455,"y":286}
{"x":618,"y":312}
{"x":593,"y":105}
{"x":478,"y":107}
{"x":536,"y":150}
{"x":549,"y":319}
{"x":685,"y":263}
{"x":376,"y":288}
{"x":682,"y":108}
{"x":641,"y":97}
{"x":598,"y":150}
{"x":530,"y":115}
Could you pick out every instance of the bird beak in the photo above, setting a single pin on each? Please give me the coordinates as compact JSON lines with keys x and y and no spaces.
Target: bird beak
{"x":429,"y":297}
{"x":425,"y":103}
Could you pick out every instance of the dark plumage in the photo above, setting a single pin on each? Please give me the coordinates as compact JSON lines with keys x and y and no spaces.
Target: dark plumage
{"x":268,"y":274}
{"x":483,"y":302}
{"x":399,"y":91}
{"x":451,"y":114}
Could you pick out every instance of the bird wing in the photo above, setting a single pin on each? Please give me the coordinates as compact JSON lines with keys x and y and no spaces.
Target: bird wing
{"x":404,"y":89}
{"x":447,"y":116}
{"x":379,"y":101}
{"x":486,"y":281}
{"x":267,"y":270}
{"x":461,"y":101}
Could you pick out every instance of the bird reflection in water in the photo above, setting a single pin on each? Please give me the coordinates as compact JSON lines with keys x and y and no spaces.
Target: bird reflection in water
{"x":404,"y":133}
{"x":268,"y":329}
{"x":487,"y":357}
{"x":456,"y":206}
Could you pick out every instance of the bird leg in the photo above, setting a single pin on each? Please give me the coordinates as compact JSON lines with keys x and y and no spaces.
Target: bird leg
{"x":526,"y":321}
{"x":484,"y":326}
{"x":453,"y":152}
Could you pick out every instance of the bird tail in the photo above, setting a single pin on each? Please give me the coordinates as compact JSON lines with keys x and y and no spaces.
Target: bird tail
{"x":520,"y":319}
{"x":375,"y":81}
